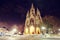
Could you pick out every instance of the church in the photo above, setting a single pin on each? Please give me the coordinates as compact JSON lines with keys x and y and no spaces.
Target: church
{"x":33,"y":21}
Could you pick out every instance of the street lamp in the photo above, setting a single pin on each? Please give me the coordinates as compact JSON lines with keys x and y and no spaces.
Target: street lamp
{"x":43,"y":28}
{"x":58,"y":29}
{"x":14,"y":30}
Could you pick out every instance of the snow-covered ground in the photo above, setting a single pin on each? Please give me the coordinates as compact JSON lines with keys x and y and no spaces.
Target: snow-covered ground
{"x":29,"y":37}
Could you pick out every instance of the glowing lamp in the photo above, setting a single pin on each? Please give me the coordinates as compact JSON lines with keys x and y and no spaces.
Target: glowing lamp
{"x":43,"y":28}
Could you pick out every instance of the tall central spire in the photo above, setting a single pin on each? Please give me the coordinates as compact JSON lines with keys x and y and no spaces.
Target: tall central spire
{"x":32,"y":6}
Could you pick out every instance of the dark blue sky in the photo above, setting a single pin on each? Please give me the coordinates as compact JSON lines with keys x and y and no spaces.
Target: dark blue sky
{"x":15,"y":10}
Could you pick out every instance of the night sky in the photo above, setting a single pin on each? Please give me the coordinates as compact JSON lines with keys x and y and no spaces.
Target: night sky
{"x":15,"y":11}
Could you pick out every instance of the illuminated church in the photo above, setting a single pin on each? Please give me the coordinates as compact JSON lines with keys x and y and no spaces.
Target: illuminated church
{"x":33,"y":21}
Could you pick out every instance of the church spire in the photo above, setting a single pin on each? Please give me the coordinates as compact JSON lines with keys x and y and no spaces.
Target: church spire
{"x":32,"y":6}
{"x":27,"y":14}
{"x":39,"y":15}
{"x":38,"y":12}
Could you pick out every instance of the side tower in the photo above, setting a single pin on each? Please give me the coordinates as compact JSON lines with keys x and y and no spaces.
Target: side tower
{"x":38,"y":21}
{"x":27,"y":23}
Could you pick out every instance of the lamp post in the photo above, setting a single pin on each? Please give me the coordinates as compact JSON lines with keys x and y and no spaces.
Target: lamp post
{"x":43,"y":29}
{"x":58,"y":31}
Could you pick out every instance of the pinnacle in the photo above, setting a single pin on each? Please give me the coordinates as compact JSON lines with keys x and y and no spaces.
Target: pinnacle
{"x":32,"y":6}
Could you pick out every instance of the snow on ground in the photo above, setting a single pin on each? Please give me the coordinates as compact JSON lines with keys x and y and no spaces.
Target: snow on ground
{"x":28,"y":37}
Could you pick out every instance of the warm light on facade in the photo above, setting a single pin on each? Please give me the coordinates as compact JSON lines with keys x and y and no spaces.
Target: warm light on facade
{"x":32,"y":29}
{"x":26,"y":30}
{"x":37,"y":30}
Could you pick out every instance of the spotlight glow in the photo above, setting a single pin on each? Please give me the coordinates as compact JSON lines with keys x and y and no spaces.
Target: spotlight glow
{"x":43,"y":28}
